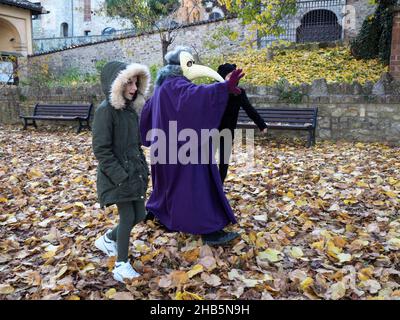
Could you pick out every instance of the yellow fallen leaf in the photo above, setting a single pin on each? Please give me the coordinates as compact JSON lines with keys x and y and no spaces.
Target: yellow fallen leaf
{"x":290,"y":195}
{"x":187,"y":296}
{"x":89,"y":267}
{"x":319,"y":245}
{"x":362,"y":277}
{"x":301,"y":202}
{"x":78,"y":180}
{"x":271,"y":255}
{"x":261,"y":242}
{"x":49,"y":254}
{"x":344,"y":257}
{"x":322,"y":193}
{"x":198,"y":268}
{"x":6,"y":289}
{"x":307,"y":225}
{"x":350,"y":201}
{"x":79,"y":205}
{"x":296,"y":252}
{"x":306,"y":283}
{"x":338,"y":290}
{"x":150,"y":256}
{"x":392,"y":181}
{"x":288,"y":231}
{"x":34,"y":173}
{"x":392,"y":194}
{"x":332,"y":250}
{"x":110,"y":293}
{"x":365,"y":273}
{"x":73,"y":297}
{"x":3,"y":200}
{"x":361,"y":184}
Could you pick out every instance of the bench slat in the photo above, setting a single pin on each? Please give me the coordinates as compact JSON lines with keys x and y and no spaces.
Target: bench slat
{"x":60,"y":112}
{"x":53,"y":118}
{"x":284,"y":119}
{"x":279,"y":116}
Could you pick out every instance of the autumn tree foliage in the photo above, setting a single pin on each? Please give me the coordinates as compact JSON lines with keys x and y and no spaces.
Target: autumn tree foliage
{"x":263,"y":17}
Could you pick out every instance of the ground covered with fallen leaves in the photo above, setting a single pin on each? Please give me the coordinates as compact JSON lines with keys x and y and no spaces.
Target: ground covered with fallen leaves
{"x":320,"y":223}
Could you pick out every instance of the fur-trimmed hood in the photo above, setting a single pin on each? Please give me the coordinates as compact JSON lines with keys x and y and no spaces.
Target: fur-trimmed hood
{"x":115,"y":76}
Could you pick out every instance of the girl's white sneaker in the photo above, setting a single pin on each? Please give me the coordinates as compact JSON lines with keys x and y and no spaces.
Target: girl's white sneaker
{"x":108,"y":246}
{"x":124,"y":270}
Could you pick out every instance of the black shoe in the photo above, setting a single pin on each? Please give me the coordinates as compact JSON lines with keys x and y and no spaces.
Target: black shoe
{"x":219,"y":237}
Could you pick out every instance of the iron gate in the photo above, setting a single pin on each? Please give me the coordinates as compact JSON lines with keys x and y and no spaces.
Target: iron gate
{"x":315,"y":21}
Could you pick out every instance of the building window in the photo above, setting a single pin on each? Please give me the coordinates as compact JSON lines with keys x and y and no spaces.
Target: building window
{"x":87,"y":11}
{"x":87,"y":32}
{"x":64,"y":30}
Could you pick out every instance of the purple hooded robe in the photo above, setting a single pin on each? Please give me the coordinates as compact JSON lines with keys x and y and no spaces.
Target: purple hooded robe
{"x":186,"y":197}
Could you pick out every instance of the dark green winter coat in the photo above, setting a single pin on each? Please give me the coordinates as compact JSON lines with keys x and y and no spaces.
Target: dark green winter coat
{"x":122,"y":173}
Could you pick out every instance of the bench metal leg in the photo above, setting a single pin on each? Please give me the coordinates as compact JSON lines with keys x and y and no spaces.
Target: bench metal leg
{"x":82,"y":126}
{"x":79,"y":128}
{"x":310,"y":139}
{"x":313,"y":138}
{"x":26,"y":124}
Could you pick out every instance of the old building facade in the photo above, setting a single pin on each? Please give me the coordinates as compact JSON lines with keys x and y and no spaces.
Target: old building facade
{"x":75,"y":18}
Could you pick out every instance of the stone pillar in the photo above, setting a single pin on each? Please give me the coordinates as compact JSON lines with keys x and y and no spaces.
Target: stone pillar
{"x":395,"y":50}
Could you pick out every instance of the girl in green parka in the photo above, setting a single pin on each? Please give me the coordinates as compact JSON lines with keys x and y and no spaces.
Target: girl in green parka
{"x":122,"y":173}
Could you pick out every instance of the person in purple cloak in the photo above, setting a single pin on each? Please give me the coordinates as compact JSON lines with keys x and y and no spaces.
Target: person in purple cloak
{"x":187,"y":197}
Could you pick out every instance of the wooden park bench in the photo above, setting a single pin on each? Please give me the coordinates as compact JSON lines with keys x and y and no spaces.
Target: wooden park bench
{"x":285,"y":119}
{"x":60,"y":112}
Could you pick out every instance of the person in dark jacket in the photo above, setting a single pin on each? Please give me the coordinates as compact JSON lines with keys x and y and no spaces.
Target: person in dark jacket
{"x":122,"y":173}
{"x":230,"y":118}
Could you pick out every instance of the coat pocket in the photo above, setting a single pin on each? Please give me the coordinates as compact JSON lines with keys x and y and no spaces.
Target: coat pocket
{"x":106,"y":179}
{"x":131,"y":188}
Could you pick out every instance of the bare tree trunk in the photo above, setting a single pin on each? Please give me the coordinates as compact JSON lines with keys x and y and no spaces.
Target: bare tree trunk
{"x":165,"y":44}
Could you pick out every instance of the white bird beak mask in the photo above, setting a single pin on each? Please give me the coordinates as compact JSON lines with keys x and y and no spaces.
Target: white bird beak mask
{"x":193,"y":71}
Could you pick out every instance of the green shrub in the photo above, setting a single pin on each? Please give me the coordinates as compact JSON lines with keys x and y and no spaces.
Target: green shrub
{"x":375,"y":36}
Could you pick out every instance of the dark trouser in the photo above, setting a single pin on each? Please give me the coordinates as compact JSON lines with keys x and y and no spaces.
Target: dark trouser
{"x":130,"y":214}
{"x":224,"y":156}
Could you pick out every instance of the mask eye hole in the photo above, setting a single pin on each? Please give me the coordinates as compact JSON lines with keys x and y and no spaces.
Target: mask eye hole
{"x":190,"y":63}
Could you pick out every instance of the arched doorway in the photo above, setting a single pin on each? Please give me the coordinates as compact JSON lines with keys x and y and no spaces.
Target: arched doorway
{"x":64,"y":30}
{"x":319,"y":26}
{"x":10,"y":39}
{"x":214,"y":16}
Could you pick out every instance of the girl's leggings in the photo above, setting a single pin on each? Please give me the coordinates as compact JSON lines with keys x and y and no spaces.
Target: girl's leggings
{"x":130,"y":214}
